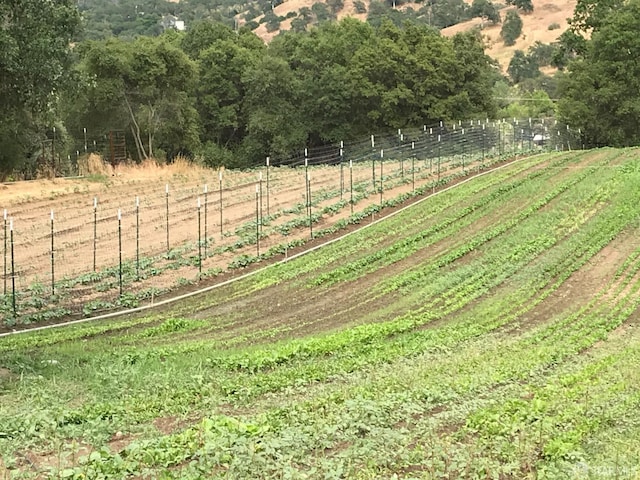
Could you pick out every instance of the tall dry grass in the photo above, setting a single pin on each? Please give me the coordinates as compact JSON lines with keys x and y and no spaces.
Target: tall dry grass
{"x":93,"y":164}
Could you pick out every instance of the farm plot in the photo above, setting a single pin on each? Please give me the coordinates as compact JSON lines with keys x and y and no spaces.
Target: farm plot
{"x":82,"y":246}
{"x":489,"y":331}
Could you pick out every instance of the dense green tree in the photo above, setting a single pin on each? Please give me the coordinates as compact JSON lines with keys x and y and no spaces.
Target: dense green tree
{"x":445,"y":13}
{"x":522,"y":66}
{"x":359,"y":6}
{"x":220,"y":91}
{"x":524,"y":5}
{"x":590,"y":15}
{"x":146,"y":86}
{"x":204,"y":34}
{"x":272,"y":21}
{"x":335,"y":6}
{"x":299,"y":24}
{"x":322,"y":12}
{"x":474,"y":77}
{"x":543,"y":53}
{"x":271,"y":106}
{"x":511,"y":28}
{"x":322,"y":61}
{"x":600,"y":92}
{"x":485,"y":9}
{"x":380,"y":12}
{"x":35,"y":59}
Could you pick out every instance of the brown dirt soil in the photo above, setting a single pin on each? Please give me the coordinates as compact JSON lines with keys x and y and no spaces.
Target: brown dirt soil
{"x":323,"y":309}
{"x":41,"y":464}
{"x":72,"y":200}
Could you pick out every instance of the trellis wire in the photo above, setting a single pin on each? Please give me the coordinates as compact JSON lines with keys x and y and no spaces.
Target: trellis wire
{"x":457,"y":143}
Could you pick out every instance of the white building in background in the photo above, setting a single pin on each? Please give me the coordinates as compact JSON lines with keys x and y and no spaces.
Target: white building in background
{"x":171,"y":21}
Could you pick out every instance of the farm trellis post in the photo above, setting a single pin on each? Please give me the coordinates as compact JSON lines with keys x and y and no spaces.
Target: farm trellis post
{"x":260,"y":183}
{"x":306,"y":169}
{"x":484,"y":141}
{"x":206,"y":201}
{"x":13,"y":271}
{"x":257,"y":222}
{"x":341,"y":169}
{"x":53,"y":154}
{"x":381,"y":173}
{"x":373,"y":161}
{"x":95,"y":230}
{"x":351,"y":184}
{"x":401,"y":155}
{"x":413,"y":166}
{"x":464,"y":150}
{"x":439,"y":155}
{"x":166,"y":189}
{"x":309,"y":204}
{"x":268,"y":187}
{"x":120,"y":251}
{"x":199,"y":241}
{"x":53,"y":275}
{"x":306,"y":191}
{"x":220,"y":191}
{"x":5,"y":252}
{"x":137,"y":238}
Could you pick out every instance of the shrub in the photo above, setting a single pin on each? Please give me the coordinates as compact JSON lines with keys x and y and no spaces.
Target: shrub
{"x":359,"y":6}
{"x":511,"y":28}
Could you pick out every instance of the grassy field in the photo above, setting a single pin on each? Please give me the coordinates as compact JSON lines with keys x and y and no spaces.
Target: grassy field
{"x":489,"y":331}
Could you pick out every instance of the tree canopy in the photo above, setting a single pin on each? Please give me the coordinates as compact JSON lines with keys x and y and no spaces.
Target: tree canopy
{"x":511,"y":28}
{"x":600,"y":91}
{"x":218,"y":92}
{"x":35,"y":60}
{"x":244,"y":100}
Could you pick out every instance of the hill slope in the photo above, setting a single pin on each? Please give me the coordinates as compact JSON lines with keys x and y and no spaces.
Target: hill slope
{"x":491,"y":328}
{"x":535,"y":25}
{"x":535,"y":28}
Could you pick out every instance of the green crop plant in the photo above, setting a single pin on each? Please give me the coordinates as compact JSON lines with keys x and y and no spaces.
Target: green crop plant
{"x":489,"y":331}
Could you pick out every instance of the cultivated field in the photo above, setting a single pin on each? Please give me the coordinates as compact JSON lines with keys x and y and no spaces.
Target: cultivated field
{"x":126,"y":238}
{"x":488,"y":331}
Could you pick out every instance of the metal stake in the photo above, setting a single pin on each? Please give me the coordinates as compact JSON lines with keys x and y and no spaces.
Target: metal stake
{"x":260,"y":203}
{"x":199,"y":242}
{"x":206,"y":239}
{"x":309,"y":201}
{"x":95,"y":230}
{"x":257,"y":222}
{"x":5,"y":253}
{"x":268,"y":187}
{"x":166,"y":190}
{"x":351,"y":184}
{"x":13,"y":273}
{"x":53,"y":276}
{"x":120,"y":250}
{"x":220,"y":184}
{"x":137,"y":238}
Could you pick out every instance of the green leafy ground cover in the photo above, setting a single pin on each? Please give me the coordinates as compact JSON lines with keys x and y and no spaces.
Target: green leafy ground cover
{"x":490,"y":331}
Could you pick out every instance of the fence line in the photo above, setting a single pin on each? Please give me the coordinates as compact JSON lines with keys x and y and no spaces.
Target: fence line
{"x":118,"y":248}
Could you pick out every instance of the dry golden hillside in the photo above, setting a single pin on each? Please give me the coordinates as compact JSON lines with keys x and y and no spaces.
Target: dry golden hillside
{"x":535,"y":25}
{"x":535,"y":28}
